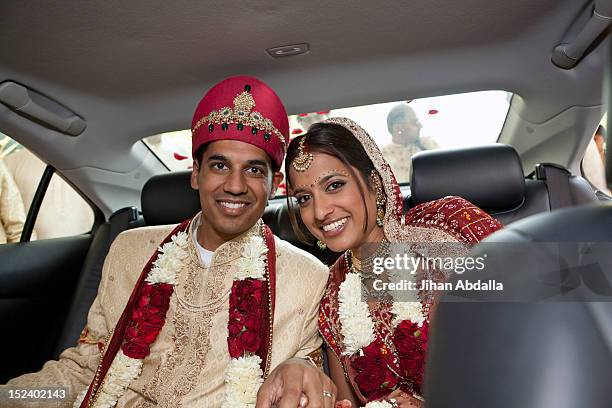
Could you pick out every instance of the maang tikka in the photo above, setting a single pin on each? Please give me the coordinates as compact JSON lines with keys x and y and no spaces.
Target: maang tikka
{"x":303,"y":160}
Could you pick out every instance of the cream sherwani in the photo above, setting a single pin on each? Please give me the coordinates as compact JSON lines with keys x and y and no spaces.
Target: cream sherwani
{"x":12,"y":213}
{"x":187,"y":361}
{"x":399,"y":156}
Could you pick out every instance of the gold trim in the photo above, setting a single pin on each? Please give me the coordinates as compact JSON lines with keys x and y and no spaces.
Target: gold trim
{"x":270,"y":310}
{"x":97,"y":385}
{"x":241,"y":115}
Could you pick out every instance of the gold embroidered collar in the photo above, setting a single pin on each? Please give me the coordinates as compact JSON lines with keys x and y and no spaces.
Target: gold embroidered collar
{"x":228,"y":251}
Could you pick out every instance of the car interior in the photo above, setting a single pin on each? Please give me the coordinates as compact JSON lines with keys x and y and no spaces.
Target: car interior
{"x":83,"y":83}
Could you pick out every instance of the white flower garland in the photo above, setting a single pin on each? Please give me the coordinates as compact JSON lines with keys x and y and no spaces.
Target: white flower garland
{"x":244,"y":376}
{"x":356,"y":324}
{"x":121,"y":373}
{"x":412,"y":311}
{"x":124,"y":369}
{"x":171,"y":259}
{"x":378,"y":404}
{"x":252,"y":264}
{"x":242,"y":381}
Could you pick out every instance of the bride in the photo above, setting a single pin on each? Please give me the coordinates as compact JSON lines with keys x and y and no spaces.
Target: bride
{"x":348,"y":199}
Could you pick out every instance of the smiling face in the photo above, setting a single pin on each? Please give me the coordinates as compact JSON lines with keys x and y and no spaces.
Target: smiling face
{"x":234,"y":181}
{"x":331,"y":205}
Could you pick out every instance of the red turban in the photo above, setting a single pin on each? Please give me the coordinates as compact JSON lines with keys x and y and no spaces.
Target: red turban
{"x":245,"y":109}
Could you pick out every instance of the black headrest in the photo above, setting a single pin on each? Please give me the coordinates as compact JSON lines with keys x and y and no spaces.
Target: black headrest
{"x":490,"y":176}
{"x":169,"y":199}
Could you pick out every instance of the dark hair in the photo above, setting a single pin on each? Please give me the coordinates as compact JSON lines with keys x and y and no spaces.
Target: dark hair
{"x":601,"y":131}
{"x":199,"y":154}
{"x":398,"y":114}
{"x":334,"y":140}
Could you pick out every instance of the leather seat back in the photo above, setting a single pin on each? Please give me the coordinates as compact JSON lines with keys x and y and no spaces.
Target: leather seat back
{"x":546,"y":339}
{"x":552,"y":350}
{"x":489,"y":176}
{"x":169,"y":199}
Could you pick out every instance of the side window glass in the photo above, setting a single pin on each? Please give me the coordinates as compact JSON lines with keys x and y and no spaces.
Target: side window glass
{"x":63,"y":211}
{"x":594,"y":162}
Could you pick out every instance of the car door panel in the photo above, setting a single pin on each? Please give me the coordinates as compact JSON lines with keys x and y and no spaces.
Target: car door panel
{"x":37,"y":281}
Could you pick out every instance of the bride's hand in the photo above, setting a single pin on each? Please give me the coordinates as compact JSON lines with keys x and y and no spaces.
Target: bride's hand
{"x":404,"y":400}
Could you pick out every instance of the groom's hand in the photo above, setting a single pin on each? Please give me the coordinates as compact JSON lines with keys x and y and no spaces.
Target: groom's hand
{"x":297,"y":383}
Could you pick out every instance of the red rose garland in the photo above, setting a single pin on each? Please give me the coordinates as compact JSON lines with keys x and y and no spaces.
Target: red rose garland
{"x":374,"y":378}
{"x":147,"y":320}
{"x":379,"y":367}
{"x":246,"y":324}
{"x":410,"y":340}
{"x":376,"y":372}
{"x":245,"y":314}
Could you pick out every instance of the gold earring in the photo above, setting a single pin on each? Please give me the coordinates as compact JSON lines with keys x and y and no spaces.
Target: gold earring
{"x":321,"y":245}
{"x":381,"y":200}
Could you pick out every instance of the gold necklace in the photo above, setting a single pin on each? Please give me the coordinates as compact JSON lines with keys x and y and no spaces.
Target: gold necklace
{"x":365,"y":267}
{"x":368,"y":289}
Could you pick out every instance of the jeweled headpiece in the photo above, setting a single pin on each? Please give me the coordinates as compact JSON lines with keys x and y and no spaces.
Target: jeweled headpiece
{"x":303,"y":159}
{"x":245,"y":109}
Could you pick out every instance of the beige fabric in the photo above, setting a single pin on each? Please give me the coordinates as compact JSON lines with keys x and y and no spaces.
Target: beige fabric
{"x":12,"y":212}
{"x":399,"y":157}
{"x":188,"y":360}
{"x":63,"y":211}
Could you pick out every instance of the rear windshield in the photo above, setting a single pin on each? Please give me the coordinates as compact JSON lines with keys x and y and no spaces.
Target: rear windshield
{"x":400,"y":128}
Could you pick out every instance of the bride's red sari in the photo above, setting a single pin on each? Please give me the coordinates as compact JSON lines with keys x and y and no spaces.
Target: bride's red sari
{"x":396,"y":358}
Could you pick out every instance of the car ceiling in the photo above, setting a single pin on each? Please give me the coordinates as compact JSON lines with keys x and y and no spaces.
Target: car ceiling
{"x":132,"y":69}
{"x":118,"y":49}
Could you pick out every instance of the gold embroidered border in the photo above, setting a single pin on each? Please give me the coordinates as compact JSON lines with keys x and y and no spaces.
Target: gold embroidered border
{"x":241,"y":115}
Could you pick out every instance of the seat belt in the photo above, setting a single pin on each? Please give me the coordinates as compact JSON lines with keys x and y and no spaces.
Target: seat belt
{"x":556,"y":178}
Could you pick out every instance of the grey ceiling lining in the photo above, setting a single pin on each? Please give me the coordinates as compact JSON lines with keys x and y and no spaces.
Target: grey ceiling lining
{"x":115,"y":49}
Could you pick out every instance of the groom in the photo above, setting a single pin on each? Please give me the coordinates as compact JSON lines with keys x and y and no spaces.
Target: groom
{"x":223,"y":303}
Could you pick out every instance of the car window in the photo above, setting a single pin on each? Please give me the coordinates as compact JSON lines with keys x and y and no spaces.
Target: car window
{"x":400,"y":128}
{"x":63,"y":211}
{"x":594,"y":162}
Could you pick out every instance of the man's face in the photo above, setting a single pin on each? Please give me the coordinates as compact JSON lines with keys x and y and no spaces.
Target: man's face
{"x":234,"y":182}
{"x":407,"y":130}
